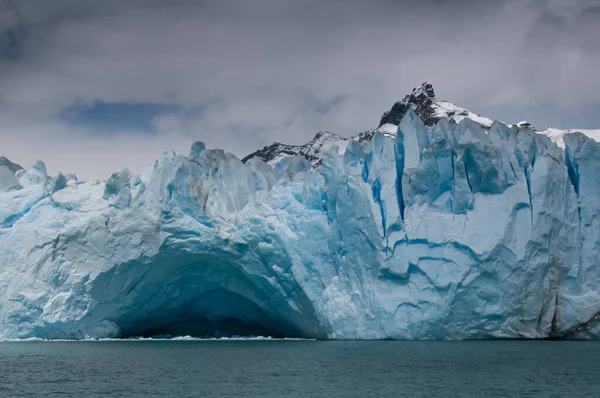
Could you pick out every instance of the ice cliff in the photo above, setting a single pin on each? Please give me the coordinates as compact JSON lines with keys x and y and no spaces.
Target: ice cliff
{"x":450,"y":232}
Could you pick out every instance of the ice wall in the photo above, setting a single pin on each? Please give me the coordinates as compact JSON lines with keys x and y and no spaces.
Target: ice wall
{"x":446,"y":233}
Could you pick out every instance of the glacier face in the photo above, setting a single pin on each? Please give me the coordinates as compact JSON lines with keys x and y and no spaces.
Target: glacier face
{"x":449,"y":232}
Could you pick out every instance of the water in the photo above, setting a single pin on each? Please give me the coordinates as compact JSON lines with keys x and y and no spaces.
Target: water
{"x":300,"y":369}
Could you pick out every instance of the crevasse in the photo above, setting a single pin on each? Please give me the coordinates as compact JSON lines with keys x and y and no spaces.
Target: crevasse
{"x":446,"y":233}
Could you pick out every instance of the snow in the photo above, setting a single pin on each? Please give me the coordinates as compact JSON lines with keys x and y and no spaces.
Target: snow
{"x":325,"y":141}
{"x":456,"y":114}
{"x":454,"y":232}
{"x":557,"y":135}
{"x":388,"y":129}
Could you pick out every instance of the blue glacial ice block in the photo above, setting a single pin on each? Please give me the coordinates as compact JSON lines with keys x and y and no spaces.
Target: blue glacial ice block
{"x":448,"y":233}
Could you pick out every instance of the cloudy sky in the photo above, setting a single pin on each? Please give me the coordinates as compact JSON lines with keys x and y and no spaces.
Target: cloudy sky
{"x":94,"y":86}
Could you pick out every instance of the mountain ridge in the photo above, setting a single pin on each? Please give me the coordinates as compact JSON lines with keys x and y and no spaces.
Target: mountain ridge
{"x":424,"y":102}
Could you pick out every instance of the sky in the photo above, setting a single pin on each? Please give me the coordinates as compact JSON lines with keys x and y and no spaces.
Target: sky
{"x":91,"y":87}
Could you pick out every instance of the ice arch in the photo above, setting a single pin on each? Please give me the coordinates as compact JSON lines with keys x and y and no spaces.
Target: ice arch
{"x":201,"y":295}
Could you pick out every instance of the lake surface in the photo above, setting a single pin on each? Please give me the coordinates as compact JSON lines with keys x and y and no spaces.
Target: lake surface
{"x":300,"y":369}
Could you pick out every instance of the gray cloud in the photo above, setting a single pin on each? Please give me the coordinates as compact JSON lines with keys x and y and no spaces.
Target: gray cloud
{"x":279,"y":70}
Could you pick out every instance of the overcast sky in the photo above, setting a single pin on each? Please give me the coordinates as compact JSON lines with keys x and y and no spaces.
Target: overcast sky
{"x":94,"y":86}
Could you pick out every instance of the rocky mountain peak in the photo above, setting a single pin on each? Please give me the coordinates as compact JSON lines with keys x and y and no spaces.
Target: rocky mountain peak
{"x":424,"y":103}
{"x":421,"y":100}
{"x":425,"y":89}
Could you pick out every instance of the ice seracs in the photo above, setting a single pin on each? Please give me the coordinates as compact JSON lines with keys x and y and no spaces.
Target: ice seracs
{"x":445,"y":232}
{"x":13,"y":167}
{"x":7,"y":179}
{"x":197,"y":148}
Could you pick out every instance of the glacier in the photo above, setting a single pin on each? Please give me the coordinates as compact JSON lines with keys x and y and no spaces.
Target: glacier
{"x":443,"y":232}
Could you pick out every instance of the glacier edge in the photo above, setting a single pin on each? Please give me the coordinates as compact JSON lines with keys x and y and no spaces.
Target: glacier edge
{"x":449,"y":232}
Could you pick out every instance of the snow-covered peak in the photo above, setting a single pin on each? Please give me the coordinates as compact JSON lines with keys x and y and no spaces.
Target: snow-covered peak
{"x":423,"y":101}
{"x":445,"y":109}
